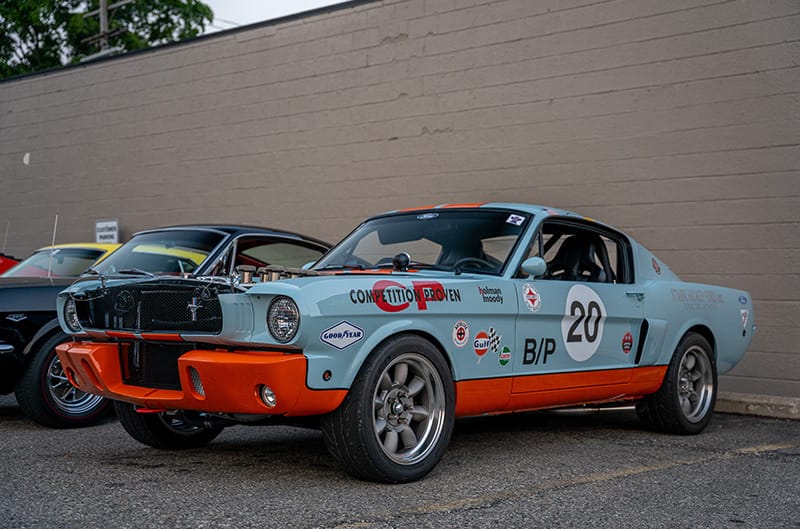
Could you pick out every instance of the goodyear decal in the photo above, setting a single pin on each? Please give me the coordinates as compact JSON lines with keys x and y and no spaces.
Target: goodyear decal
{"x":342,"y":335}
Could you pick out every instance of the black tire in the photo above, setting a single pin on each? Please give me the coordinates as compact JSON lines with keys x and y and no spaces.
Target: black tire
{"x":45,"y":395}
{"x":163,"y":430}
{"x":685,"y":402}
{"x":397,"y":419}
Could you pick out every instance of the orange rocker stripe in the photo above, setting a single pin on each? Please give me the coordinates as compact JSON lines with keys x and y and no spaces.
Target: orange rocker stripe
{"x":535,"y":392}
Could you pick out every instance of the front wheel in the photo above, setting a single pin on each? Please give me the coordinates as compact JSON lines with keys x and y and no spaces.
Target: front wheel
{"x":45,"y":395}
{"x":396,"y":421}
{"x":168,"y":431}
{"x":685,"y":402}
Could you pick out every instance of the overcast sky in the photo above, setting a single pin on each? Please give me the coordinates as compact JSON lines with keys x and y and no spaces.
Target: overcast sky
{"x":233,"y":13}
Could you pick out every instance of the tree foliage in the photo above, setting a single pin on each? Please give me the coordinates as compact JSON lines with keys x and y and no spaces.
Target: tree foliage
{"x":39,"y":34}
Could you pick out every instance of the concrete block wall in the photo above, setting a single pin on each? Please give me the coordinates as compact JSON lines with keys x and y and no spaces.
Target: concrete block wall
{"x":676,"y":121}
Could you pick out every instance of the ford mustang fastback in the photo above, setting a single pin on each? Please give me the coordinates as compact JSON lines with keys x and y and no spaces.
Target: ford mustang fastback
{"x":416,"y":318}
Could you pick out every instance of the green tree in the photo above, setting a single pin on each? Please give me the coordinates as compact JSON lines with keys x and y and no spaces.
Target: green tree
{"x":39,"y":34}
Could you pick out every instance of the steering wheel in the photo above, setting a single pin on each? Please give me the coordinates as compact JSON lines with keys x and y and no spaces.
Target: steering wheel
{"x":482,"y":263}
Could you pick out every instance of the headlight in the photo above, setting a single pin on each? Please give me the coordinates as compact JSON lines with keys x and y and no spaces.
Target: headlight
{"x":283,"y":318}
{"x":71,"y":316}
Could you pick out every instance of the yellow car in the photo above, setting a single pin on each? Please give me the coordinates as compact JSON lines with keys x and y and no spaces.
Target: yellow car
{"x":61,"y":260}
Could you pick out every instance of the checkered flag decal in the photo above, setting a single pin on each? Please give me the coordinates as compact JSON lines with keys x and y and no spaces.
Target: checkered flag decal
{"x":494,"y":339}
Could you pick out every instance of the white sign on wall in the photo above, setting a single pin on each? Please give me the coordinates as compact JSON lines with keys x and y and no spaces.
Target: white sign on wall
{"x":106,"y":231}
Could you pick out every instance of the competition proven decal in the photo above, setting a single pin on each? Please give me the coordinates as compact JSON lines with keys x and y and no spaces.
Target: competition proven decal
{"x":391,"y":296}
{"x":583,"y":321}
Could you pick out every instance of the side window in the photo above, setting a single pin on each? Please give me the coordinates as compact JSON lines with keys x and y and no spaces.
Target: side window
{"x":577,"y":253}
{"x":263,"y":252}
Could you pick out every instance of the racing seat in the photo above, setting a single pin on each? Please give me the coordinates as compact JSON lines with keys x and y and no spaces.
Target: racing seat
{"x":575,"y":260}
{"x":456,"y":250}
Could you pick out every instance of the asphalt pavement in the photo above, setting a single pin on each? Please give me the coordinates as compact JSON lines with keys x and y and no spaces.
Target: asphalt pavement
{"x":598,"y":470}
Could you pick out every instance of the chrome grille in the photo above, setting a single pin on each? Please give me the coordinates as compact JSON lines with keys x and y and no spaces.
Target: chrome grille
{"x":161,"y":305}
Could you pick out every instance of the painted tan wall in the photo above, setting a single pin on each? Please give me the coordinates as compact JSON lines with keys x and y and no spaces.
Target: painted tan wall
{"x":677,"y":121}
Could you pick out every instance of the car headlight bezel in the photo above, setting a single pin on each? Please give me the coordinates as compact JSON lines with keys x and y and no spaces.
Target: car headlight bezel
{"x":71,"y":315}
{"x":283,"y":319}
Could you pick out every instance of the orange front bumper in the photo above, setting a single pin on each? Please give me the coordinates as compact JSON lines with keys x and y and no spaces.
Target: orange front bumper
{"x":230,"y":381}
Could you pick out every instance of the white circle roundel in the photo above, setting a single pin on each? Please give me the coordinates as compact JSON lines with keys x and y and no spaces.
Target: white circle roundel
{"x":582,"y":324}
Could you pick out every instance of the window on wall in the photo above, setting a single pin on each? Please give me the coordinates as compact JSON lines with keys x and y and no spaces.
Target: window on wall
{"x":577,"y":252}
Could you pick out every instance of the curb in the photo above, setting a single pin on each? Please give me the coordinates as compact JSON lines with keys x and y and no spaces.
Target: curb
{"x":761,"y":405}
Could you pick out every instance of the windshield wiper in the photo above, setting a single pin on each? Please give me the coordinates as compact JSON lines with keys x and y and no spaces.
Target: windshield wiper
{"x":94,"y":272}
{"x":412,"y":264}
{"x":136,"y":272}
{"x":343,"y":266}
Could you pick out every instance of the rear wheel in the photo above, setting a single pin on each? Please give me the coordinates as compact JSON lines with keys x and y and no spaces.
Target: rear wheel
{"x":685,"y":402}
{"x":396,"y":421}
{"x":168,"y":431}
{"x":45,"y":395}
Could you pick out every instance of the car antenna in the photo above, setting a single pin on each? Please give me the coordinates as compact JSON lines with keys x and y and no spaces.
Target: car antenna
{"x":50,"y":262}
{"x":5,"y":239}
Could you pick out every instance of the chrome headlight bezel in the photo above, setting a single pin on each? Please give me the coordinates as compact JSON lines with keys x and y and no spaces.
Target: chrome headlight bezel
{"x":283,"y":319}
{"x":71,"y":315}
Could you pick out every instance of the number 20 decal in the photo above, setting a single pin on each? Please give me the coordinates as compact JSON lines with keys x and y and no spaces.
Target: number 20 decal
{"x":582,"y":324}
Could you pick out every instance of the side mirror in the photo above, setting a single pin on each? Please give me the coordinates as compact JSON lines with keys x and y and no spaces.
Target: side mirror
{"x":308,"y":265}
{"x":534,"y":266}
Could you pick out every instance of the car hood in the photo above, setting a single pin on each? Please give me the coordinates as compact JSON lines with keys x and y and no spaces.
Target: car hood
{"x":20,"y":294}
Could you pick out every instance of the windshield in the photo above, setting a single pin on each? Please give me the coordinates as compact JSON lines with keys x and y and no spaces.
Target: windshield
{"x":60,"y":262}
{"x":162,"y":252}
{"x":478,"y":240}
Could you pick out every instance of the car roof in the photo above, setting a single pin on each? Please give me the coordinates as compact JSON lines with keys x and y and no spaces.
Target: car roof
{"x":240,"y":229}
{"x":84,"y":245}
{"x":526,"y":208}
{"x":532,"y":209}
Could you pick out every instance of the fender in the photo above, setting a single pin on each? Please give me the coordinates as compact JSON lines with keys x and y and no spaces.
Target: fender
{"x":46,"y":329}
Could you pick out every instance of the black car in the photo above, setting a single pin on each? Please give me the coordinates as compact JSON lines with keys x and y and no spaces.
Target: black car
{"x":29,"y":330}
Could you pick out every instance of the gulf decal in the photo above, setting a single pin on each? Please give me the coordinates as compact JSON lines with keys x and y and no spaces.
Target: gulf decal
{"x":485,"y":342}
{"x":481,"y":343}
{"x":391,"y":296}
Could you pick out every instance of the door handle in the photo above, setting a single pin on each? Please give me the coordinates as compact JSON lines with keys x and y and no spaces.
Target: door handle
{"x":635,"y":294}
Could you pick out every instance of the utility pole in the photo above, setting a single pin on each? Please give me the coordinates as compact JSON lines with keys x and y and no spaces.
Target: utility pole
{"x":103,"y":13}
{"x":103,"y":25}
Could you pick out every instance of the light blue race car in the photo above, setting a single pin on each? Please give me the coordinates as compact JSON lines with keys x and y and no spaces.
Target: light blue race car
{"x":416,"y":318}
